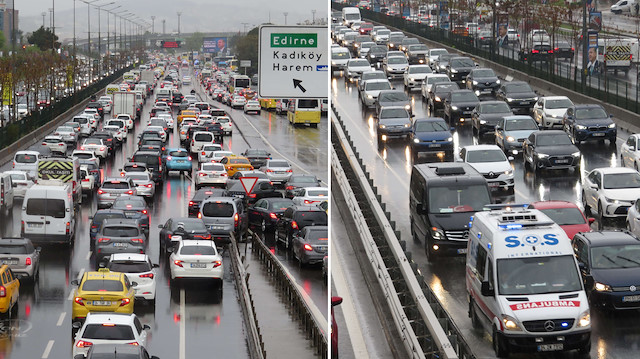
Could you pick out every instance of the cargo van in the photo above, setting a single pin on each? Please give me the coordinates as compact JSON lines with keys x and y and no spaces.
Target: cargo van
{"x":48,"y":214}
{"x":523,"y":283}
{"x":442,"y":197}
{"x":304,"y":111}
{"x":26,"y":161}
{"x":6,"y":194}
{"x":350,"y":15}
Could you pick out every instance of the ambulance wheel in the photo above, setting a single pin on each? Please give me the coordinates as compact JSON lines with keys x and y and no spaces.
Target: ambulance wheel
{"x":585,"y":205}
{"x":475,"y":321}
{"x":499,"y":345}
{"x":585,"y":350}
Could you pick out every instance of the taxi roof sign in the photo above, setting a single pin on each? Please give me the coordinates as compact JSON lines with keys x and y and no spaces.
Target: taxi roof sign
{"x":248,"y":183}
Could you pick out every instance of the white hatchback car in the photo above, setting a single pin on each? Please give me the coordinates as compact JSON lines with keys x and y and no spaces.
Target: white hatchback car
{"x":492,"y":163}
{"x":630,"y":152}
{"x":86,"y":155}
{"x":138,"y":269}
{"x":310,"y":196}
{"x":610,"y":191}
{"x":196,"y":259}
{"x":252,"y":106}
{"x":97,"y":146}
{"x":211,"y":174}
{"x":238,"y":101}
{"x":207,"y":151}
{"x":127,"y":119}
{"x":21,"y":182}
{"x":111,"y":328}
{"x":226,"y":124}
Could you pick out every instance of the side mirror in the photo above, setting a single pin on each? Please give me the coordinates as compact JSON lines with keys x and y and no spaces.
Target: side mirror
{"x":485,"y":290}
{"x":74,"y":282}
{"x":155,"y":265}
{"x":610,"y":116}
{"x":146,"y":327}
{"x":510,"y":158}
{"x":591,"y":220}
{"x":336,"y":301}
{"x":594,"y":186}
{"x":632,"y":148}
{"x":134,"y":284}
{"x":76,"y":325}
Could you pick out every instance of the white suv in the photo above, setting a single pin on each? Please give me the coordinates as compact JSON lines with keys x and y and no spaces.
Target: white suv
{"x":610,"y":191}
{"x":111,"y":328}
{"x":492,"y":164}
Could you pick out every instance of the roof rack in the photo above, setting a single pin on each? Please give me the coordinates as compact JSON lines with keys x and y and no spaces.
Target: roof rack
{"x":449,"y":171}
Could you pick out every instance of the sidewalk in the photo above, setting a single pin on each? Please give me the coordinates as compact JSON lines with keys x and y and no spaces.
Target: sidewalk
{"x":281,"y":335}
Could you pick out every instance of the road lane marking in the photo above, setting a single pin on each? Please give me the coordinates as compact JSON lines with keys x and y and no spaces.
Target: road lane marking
{"x":183,"y":318}
{"x":47,"y":350}
{"x":61,"y":319}
{"x":348,"y":310}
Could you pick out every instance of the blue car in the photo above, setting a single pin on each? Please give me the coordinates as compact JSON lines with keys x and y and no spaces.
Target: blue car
{"x":178,"y":159}
{"x":589,"y":122}
{"x":99,"y":217}
{"x":431,"y":136}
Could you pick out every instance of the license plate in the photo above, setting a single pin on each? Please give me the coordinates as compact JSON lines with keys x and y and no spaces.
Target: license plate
{"x":180,"y":161}
{"x":216,"y":227}
{"x":34,"y":225}
{"x":213,"y":175}
{"x":281,"y":172}
{"x":562,"y":161}
{"x":130,"y":213}
{"x":550,"y":347}
{"x":9,"y":261}
{"x":494,"y":184}
{"x":434,"y":145}
{"x":598,"y":134}
{"x":466,"y":112}
{"x":117,"y":244}
{"x":198,"y":265}
{"x":631,"y":298}
{"x":462,"y":251}
{"x":101,"y":302}
{"x":524,"y":102}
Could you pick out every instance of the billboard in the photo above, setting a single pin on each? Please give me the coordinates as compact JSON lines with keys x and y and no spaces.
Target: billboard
{"x":170,"y":44}
{"x":214,"y":44}
{"x":595,"y":21}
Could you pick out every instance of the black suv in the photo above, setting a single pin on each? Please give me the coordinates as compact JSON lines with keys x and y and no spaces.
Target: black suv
{"x":295,"y":218}
{"x":153,"y":160}
{"x":589,"y":122}
{"x":437,"y":93}
{"x":550,"y":149}
{"x":486,"y":116}
{"x":458,"y":106}
{"x":176,"y":98}
{"x":459,"y":67}
{"x":483,"y":81}
{"x":376,"y":54}
{"x":98,"y":106}
{"x":518,"y":95}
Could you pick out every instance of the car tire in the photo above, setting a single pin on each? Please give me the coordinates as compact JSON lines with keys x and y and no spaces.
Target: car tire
{"x":585,"y":205}
{"x":276,"y":235}
{"x":499,"y":345}
{"x":600,"y":213}
{"x":475,"y":320}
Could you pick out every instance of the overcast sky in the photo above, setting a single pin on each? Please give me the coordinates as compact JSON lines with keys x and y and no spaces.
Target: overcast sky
{"x":197,"y":15}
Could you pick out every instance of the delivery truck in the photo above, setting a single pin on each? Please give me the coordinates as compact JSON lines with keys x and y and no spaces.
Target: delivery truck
{"x":124,"y":102}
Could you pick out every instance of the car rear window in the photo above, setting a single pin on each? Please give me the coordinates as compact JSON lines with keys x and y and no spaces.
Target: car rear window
{"x":24,"y":158}
{"x":108,"y":332}
{"x":115,"y":185}
{"x":317,"y":235}
{"x":148,"y":159}
{"x":215,"y":209}
{"x":83,"y":155}
{"x":100,"y":217}
{"x":239,"y":161}
{"x":212,"y":167}
{"x":178,"y":153}
{"x":318,"y":192}
{"x":308,"y":103}
{"x":13,"y":249}
{"x":197,"y":250}
{"x":102,"y":285}
{"x":129,"y":266}
{"x":203,"y":137}
{"x":317,"y":218}
{"x":46,"y":207}
{"x":135,"y":168}
{"x":120,"y":231}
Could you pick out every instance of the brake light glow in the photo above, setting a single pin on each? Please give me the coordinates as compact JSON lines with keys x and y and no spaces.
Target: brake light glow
{"x":79,"y":300}
{"x":100,"y":191}
{"x":130,"y":192}
{"x":148,"y":185}
{"x":191,"y":203}
{"x":124,"y":301}
{"x":83,"y":344}
{"x":144,"y":211}
{"x":177,"y":262}
{"x":102,"y":239}
{"x":216,"y":264}
{"x":294,"y":225}
{"x":137,"y":240}
{"x":235,"y":220}
{"x":27,"y":261}
{"x":148,"y":275}
{"x":273,"y":215}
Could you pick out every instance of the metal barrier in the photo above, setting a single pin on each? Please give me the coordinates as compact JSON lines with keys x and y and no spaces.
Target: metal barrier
{"x":315,"y":328}
{"x":254,"y":338}
{"x":427,"y":330}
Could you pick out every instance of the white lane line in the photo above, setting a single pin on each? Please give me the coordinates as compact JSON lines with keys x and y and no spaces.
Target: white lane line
{"x":61,"y":319}
{"x":88,"y":255}
{"x":47,"y":350}
{"x":348,"y":310}
{"x":183,"y":318}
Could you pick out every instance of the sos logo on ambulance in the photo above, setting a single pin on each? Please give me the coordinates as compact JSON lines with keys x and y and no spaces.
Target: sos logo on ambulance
{"x":531,"y":240}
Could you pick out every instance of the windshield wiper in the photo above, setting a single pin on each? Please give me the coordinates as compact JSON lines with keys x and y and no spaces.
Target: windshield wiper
{"x":629,"y":259}
{"x":609,"y":259}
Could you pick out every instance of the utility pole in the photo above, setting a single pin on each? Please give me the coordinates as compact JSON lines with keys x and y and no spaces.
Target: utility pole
{"x":163,"y":26}
{"x":285,"y":17}
{"x":153,"y":24}
{"x":45,"y":14}
{"x":585,"y":45}
{"x":179,"y":14}
{"x":313,"y":14}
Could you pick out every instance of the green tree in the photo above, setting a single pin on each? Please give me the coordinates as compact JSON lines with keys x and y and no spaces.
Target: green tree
{"x":44,"y":39}
{"x":3,"y":40}
{"x":194,"y":42}
{"x":247,"y":49}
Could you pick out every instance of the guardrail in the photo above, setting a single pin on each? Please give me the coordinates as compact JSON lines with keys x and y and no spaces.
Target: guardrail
{"x":427,"y":330}
{"x":254,"y":338}
{"x":315,"y":328}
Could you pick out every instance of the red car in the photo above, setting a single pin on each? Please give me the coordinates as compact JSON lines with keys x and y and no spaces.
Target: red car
{"x":334,"y":327}
{"x":566,"y":214}
{"x":365,"y":28}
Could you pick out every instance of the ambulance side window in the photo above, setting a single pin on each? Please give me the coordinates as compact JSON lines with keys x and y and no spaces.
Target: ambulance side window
{"x":481,"y":262}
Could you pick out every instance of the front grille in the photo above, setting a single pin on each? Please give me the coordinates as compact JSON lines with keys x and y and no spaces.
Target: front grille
{"x":491,"y":175}
{"x":625,"y":288}
{"x":597,"y":128}
{"x":550,"y":325}
{"x":520,"y":139}
{"x":457,"y":235}
{"x":622,"y":210}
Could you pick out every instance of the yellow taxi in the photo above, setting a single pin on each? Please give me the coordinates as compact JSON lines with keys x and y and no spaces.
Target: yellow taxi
{"x":184,"y":114}
{"x":268,"y":103}
{"x":9,"y":290}
{"x":102,"y":291}
{"x":235,"y":163}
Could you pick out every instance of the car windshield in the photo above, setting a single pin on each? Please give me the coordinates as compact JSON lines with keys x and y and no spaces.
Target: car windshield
{"x":522,"y":87}
{"x":480,"y":156}
{"x":520,"y":124}
{"x":463,"y":198}
{"x":622,"y":256}
{"x":538,"y":275}
{"x":419,"y":47}
{"x":462,"y":63}
{"x":129,"y":266}
{"x":198,"y":250}
{"x":378,"y":50}
{"x":484,"y":73}
{"x":358,"y":63}
{"x":102,"y":285}
{"x":494,"y":108}
{"x":438,"y":52}
{"x":555,"y":104}
{"x":317,"y":235}
{"x":394,"y":113}
{"x":383,"y":32}
{"x":590,"y":113}
{"x":336,"y":55}
{"x":565,"y":216}
{"x":120,"y":231}
{"x":553,"y":140}
{"x":83,"y":155}
{"x":463,"y":97}
{"x":396,"y":60}
{"x":420,"y":70}
{"x":13,"y":249}
{"x":108,"y":332}
{"x":370,"y":86}
{"x":393,"y":97}
{"x":308,"y":104}
{"x":621,"y":180}
{"x":431,"y":126}
{"x":18,"y":176}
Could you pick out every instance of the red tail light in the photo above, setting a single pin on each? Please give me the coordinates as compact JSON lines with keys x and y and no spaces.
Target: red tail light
{"x":267,"y":171}
{"x":168,"y":158}
{"x":100,"y":191}
{"x":102,"y":148}
{"x":102,"y":239}
{"x":144,"y":211}
{"x":556,"y":49}
{"x":68,"y":228}
{"x":79,"y":301}
{"x":294,"y":225}
{"x":191,"y":203}
{"x":273,"y":215}
{"x":130,"y":192}
{"x":252,"y":195}
{"x":83,"y":344}
{"x":202,"y":174}
{"x":124,"y":301}
{"x":217,"y":264}
{"x":189,"y":158}
{"x":137,"y":240}
{"x":3,"y":291}
{"x":133,"y":343}
{"x":534,"y":51}
{"x":148,"y":275}
{"x":178,"y":263}
{"x":235,"y":220}
{"x":290,"y":187}
{"x":27,"y":261}
{"x":203,"y":153}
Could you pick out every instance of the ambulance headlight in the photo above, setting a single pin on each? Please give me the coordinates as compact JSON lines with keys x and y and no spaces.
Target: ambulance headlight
{"x":510,"y":323}
{"x":602,"y":287}
{"x":585,"y":319}
{"x":437,"y":233}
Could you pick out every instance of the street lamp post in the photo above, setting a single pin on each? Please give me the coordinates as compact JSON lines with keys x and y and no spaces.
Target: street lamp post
{"x":153,"y":24}
{"x":108,"y":51}
{"x":179,"y":14}
{"x":285,"y":17}
{"x":45,"y":14}
{"x":99,"y":7}
{"x":89,"y":37}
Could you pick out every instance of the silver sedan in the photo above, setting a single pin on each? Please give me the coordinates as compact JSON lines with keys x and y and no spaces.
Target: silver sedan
{"x":278,"y":171}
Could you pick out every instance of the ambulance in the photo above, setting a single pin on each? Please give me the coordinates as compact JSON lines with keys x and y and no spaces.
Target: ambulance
{"x":524,"y":284}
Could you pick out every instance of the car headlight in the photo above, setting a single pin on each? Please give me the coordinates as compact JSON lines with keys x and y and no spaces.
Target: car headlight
{"x":611,"y":200}
{"x":508,"y":172}
{"x":407,"y":125}
{"x":449,"y":139}
{"x":407,"y":107}
{"x":498,"y":82}
{"x":600,"y":287}
{"x":382,"y":126}
{"x":585,"y":319}
{"x":333,"y":63}
{"x":581,"y":127}
{"x":455,"y":108}
{"x":510,"y":323}
{"x":510,"y":139}
{"x":510,"y":99}
{"x":576,"y":154}
{"x":613,"y":125}
{"x":438,"y":99}
{"x":482,"y":122}
{"x":370,"y":97}
{"x":542,"y":155}
{"x":373,"y":56}
{"x":454,"y":71}
{"x":437,"y":233}
{"x":475,"y":82}
{"x":416,"y":140}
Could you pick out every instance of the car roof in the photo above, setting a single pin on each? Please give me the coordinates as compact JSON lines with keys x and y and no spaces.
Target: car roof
{"x":553,"y":204}
{"x":110,"y":317}
{"x":481,"y":147}
{"x":610,"y":238}
{"x":14,"y":240}
{"x":587,"y":105}
{"x":608,"y":170}
{"x":120,"y":222}
{"x":136,"y":257}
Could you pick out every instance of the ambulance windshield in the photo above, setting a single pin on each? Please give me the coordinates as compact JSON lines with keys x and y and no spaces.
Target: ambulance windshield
{"x":538,"y":275}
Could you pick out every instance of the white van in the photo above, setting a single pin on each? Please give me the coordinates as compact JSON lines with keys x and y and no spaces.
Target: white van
{"x":26,"y":161}
{"x":524,"y":283}
{"x":350,"y":15}
{"x":6,"y":193}
{"x":48,"y":213}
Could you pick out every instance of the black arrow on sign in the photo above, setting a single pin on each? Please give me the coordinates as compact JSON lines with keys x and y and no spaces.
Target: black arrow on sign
{"x":296,"y":83}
